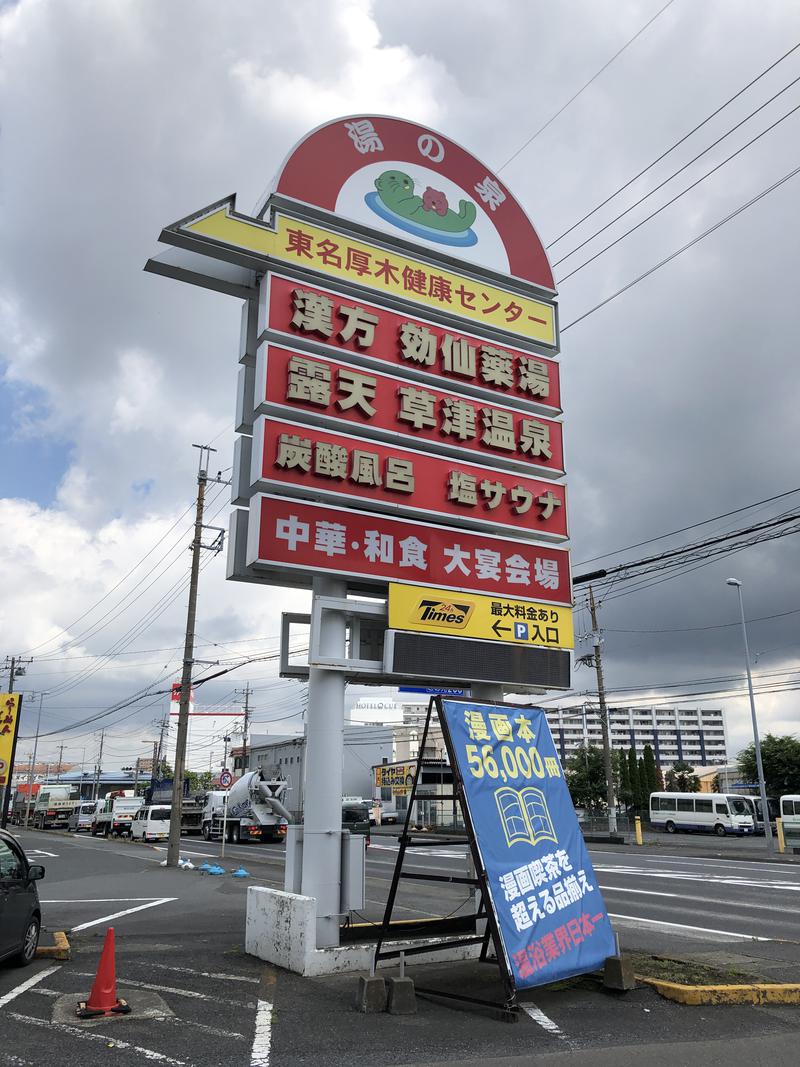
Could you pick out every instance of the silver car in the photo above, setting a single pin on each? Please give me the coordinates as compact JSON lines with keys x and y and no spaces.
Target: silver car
{"x":82,"y":816}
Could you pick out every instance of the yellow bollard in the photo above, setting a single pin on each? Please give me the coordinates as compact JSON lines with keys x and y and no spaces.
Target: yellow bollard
{"x":637,"y":824}
{"x":781,"y":839}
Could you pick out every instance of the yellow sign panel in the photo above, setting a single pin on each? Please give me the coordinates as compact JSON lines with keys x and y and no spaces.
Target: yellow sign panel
{"x":344,"y":257}
{"x":399,"y":777}
{"x":9,"y":716}
{"x":488,"y":618}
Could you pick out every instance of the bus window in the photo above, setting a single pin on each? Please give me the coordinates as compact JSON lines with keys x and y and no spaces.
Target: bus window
{"x":739,"y":806}
{"x":685,"y":804}
{"x":721,"y":807}
{"x":668,"y":803}
{"x":703,"y":804}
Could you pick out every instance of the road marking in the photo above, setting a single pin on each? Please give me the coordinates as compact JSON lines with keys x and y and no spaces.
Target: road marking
{"x":119,"y":914}
{"x":772,"y":868}
{"x":201,"y":1026}
{"x":168,"y":989}
{"x":543,"y":1020}
{"x":17,"y":990}
{"x":92,"y":1035}
{"x":682,"y":926}
{"x":45,"y":992}
{"x":39,"y":852}
{"x":694,"y":900}
{"x":685,"y":876}
{"x":99,"y":900}
{"x":259,"y":1056}
{"x":207,"y":974}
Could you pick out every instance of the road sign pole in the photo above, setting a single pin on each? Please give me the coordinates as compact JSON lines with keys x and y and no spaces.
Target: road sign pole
{"x":324,"y":754}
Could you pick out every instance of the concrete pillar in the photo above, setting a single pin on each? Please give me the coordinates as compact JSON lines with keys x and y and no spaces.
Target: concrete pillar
{"x":322,"y":832}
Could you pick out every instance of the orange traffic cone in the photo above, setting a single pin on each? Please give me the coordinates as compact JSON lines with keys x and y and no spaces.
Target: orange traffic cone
{"x":103,"y":999}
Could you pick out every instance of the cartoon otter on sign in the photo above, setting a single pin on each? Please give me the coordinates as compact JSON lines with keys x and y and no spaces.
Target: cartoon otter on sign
{"x":431,"y":211}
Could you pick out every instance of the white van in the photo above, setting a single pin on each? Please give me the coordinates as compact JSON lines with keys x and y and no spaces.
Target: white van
{"x":82,"y":816}
{"x":151,"y":823}
{"x":790,"y":814}
{"x":720,"y":813}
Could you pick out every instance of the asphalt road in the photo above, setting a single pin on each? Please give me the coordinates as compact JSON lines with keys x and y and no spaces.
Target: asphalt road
{"x":180,"y":940}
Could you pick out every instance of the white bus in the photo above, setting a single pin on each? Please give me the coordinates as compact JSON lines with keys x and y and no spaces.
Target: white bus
{"x":790,"y":814}
{"x":720,"y":813}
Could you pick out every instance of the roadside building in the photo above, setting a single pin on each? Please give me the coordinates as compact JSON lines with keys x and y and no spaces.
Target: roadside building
{"x":284,"y":755}
{"x":693,"y":735}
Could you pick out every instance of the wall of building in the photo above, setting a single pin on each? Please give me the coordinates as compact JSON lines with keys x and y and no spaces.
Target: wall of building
{"x":694,"y":735}
{"x":364,"y":746}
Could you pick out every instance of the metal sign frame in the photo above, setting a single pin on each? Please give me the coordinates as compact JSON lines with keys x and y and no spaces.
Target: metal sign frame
{"x":508,"y":1010}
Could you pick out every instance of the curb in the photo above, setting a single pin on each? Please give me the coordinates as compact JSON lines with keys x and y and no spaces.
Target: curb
{"x":753,"y":993}
{"x":59,"y":951}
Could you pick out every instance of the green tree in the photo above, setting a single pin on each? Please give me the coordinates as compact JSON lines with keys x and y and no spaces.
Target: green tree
{"x":650,"y":771}
{"x":780,"y":757}
{"x":633,"y":775}
{"x":644,"y":795}
{"x":682,"y":779}
{"x":586,"y":778}
{"x":625,"y":794}
{"x":659,"y":779}
{"x":199,"y":781}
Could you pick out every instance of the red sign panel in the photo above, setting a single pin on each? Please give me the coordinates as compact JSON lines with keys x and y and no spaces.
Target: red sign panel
{"x":327,"y":161}
{"x":399,"y":479}
{"x":414,"y":344}
{"x":317,"y":538}
{"x":382,"y":402}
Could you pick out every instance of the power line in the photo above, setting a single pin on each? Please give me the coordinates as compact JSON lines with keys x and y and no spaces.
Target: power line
{"x":683,"y":248}
{"x":114,"y":587}
{"x":583,"y":88}
{"x":668,"y":203}
{"x":697,"y":629}
{"x":677,"y":144}
{"x":682,"y":529}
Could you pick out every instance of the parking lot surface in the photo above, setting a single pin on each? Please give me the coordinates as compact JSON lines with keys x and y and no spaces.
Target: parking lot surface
{"x":180,"y":936}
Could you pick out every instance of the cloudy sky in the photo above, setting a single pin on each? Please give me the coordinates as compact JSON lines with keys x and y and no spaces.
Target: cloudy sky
{"x":680,"y":395}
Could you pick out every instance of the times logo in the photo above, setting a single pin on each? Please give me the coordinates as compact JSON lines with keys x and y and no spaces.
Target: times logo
{"x":444,"y":611}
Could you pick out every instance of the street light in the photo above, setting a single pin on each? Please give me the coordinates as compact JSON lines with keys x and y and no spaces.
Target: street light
{"x":761,"y":785}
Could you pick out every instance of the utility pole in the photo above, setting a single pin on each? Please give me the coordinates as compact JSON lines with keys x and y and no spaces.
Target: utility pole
{"x":246,"y":726}
{"x":153,"y":766}
{"x":32,"y":770}
{"x":60,"y":758}
{"x":601,"y":696}
{"x":174,"y":847}
{"x":15,"y":665}
{"x":96,"y":789}
{"x":159,"y":752}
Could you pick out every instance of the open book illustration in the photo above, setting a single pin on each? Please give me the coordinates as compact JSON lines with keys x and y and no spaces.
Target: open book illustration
{"x":524,"y":815}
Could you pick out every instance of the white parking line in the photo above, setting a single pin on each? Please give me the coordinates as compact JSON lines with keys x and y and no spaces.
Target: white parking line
{"x":89,"y":1035}
{"x":696,"y":929}
{"x":17,"y":990}
{"x":259,"y":1057}
{"x":543,"y":1020}
{"x":119,"y":914}
{"x":206,"y":974}
{"x":99,"y":900}
{"x":168,"y":989}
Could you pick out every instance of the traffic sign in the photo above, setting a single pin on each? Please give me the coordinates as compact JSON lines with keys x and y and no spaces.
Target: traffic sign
{"x":492,"y":618}
{"x":225,"y":779}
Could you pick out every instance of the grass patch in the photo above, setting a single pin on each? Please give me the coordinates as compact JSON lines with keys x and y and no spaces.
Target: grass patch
{"x":686,"y":972}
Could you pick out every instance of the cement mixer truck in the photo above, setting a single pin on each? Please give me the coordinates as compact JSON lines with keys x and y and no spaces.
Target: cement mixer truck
{"x":256,"y":810}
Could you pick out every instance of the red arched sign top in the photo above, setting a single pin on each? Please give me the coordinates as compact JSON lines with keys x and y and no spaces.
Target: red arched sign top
{"x":416,"y":184}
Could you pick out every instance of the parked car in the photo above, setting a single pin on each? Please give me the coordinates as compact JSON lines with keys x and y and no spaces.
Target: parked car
{"x":20,"y":911}
{"x":151,"y":823}
{"x":355,"y":818}
{"x":82,"y":815}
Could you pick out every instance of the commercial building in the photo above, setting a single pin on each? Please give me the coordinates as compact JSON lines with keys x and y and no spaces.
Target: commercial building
{"x":284,"y":755}
{"x":693,"y":735}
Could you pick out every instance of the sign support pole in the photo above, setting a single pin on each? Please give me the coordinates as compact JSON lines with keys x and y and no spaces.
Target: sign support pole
{"x":321,"y":878}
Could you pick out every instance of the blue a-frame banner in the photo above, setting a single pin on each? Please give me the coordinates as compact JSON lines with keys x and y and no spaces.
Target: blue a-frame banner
{"x":549,"y":909}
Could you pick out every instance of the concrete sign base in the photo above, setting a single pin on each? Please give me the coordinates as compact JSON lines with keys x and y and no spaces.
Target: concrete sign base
{"x":281,"y":929}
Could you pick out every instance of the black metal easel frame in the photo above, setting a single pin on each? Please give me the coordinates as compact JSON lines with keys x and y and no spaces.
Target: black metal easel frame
{"x":508,"y":1010}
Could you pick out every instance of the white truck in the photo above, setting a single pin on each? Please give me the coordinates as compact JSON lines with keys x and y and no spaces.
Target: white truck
{"x":256,"y":810}
{"x":54,"y":804}
{"x":116,"y":815}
